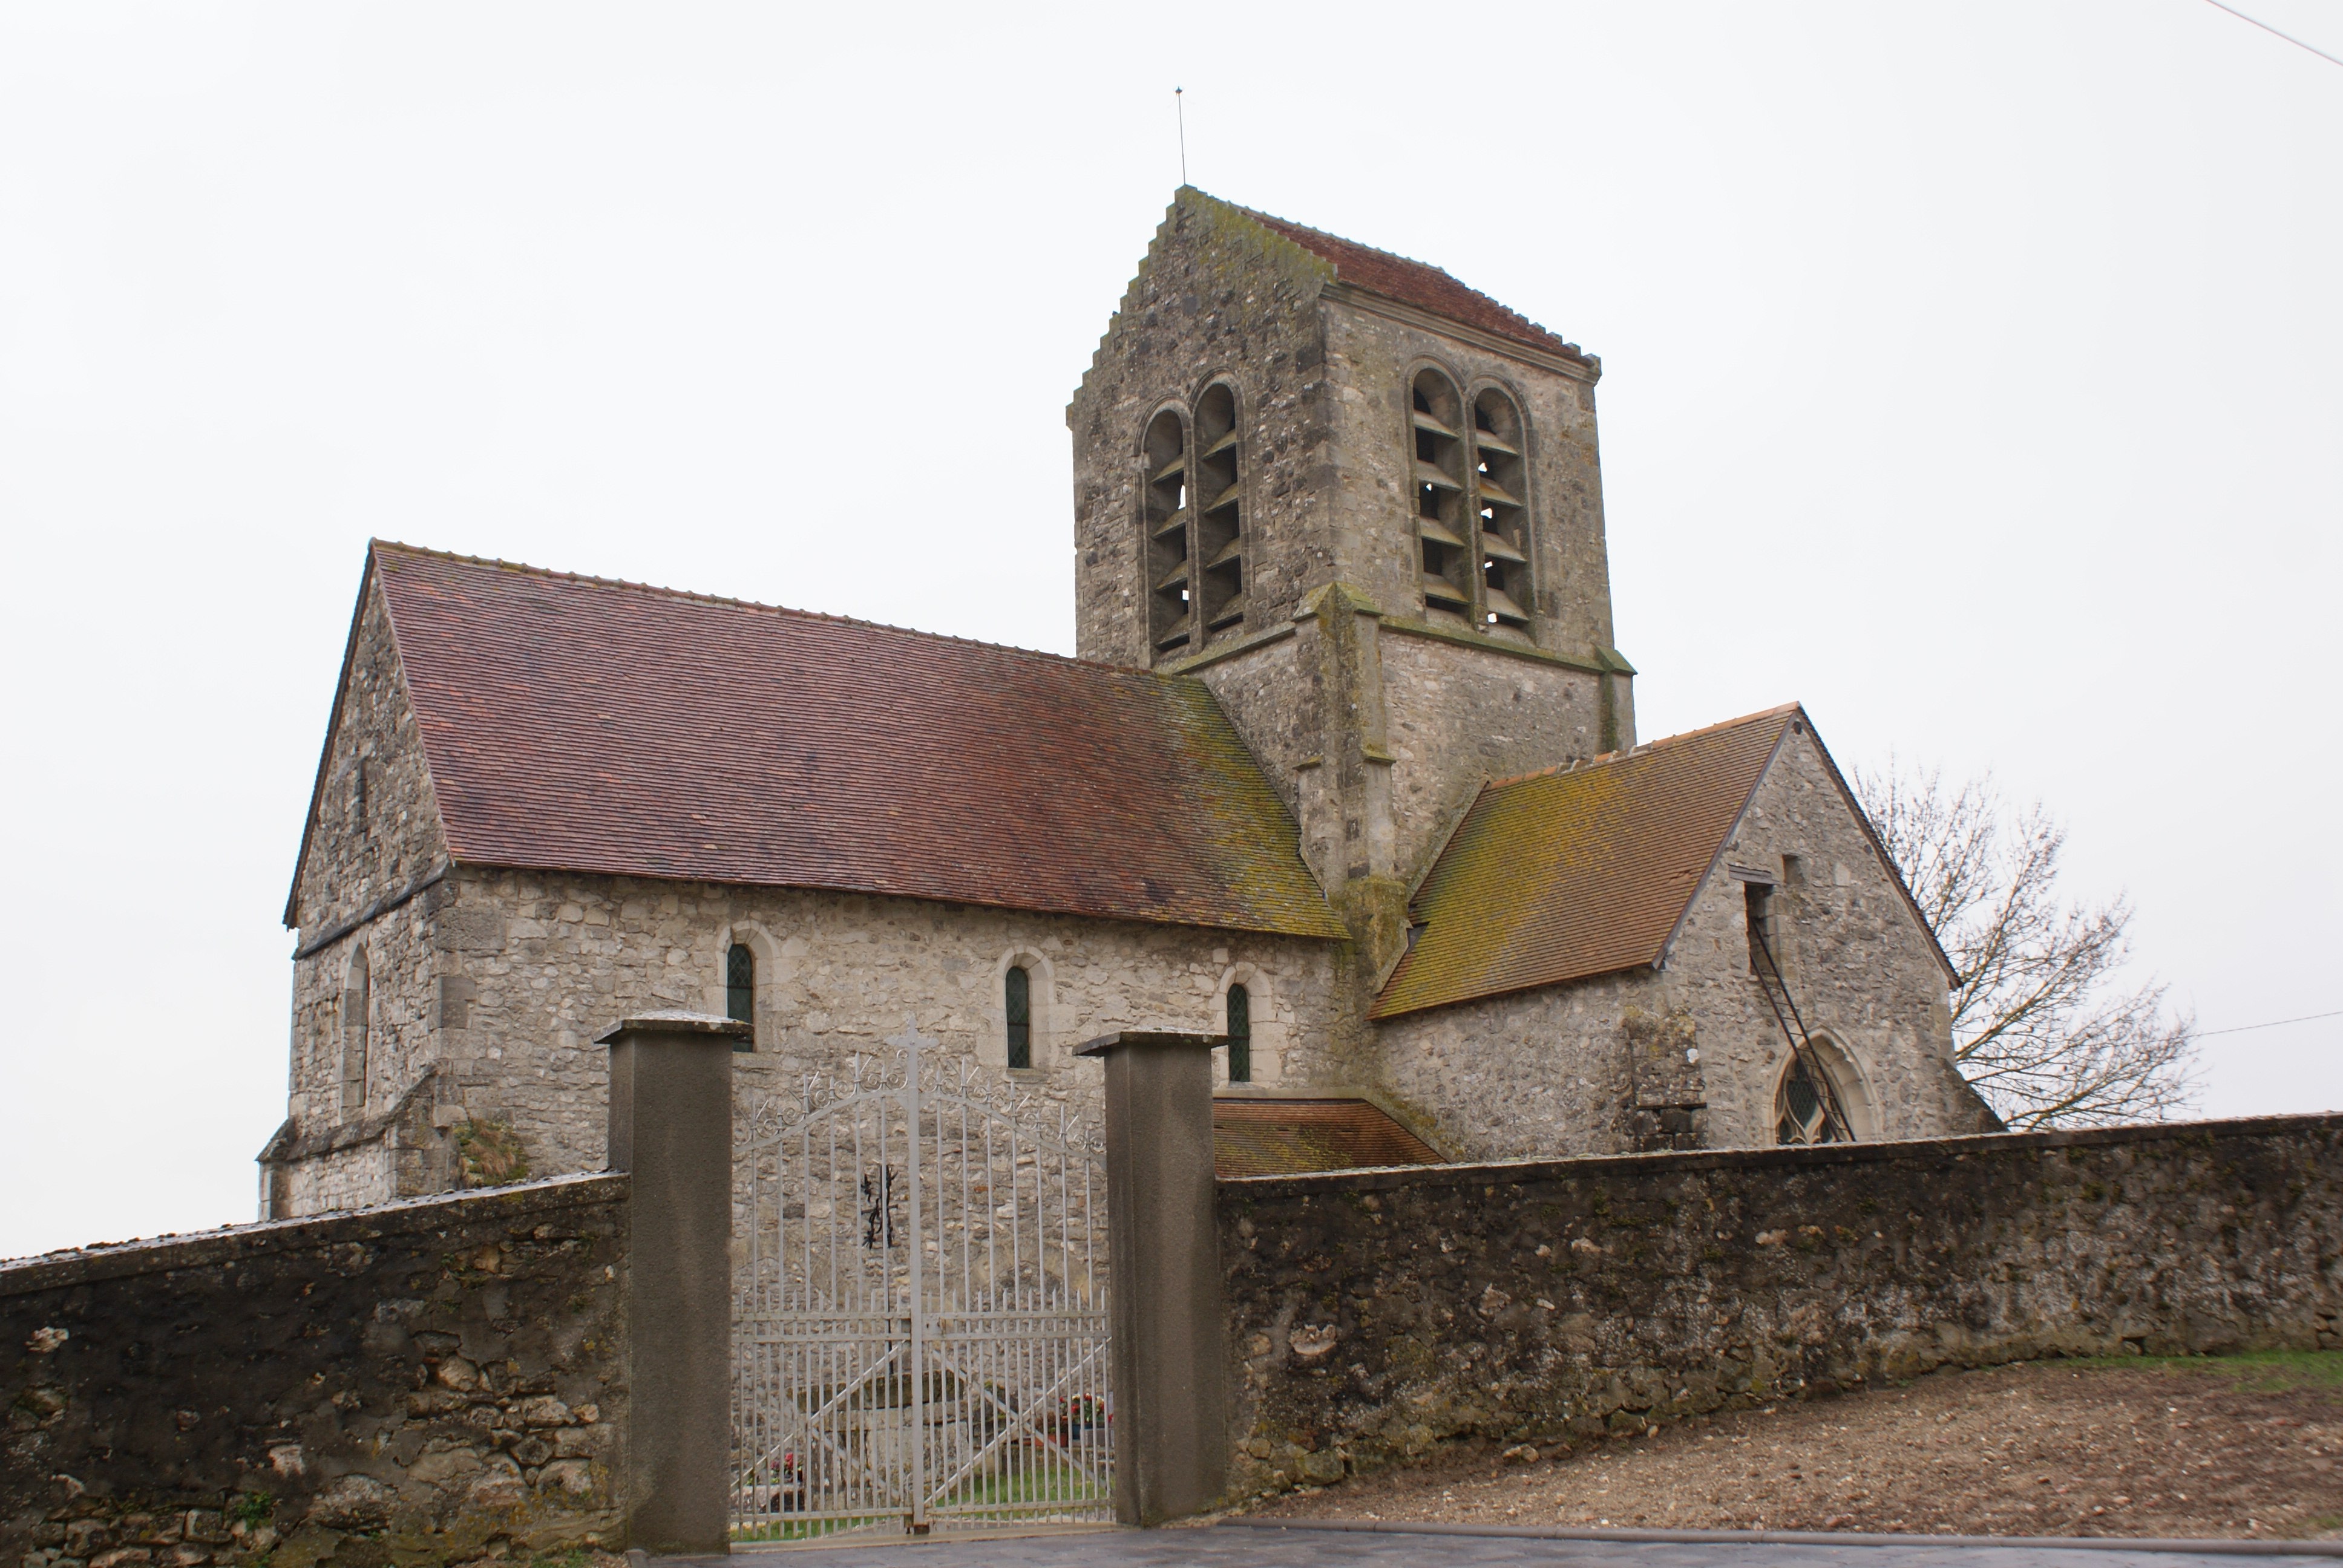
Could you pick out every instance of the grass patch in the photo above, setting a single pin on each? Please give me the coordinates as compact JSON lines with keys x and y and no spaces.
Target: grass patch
{"x":2263,"y":1371}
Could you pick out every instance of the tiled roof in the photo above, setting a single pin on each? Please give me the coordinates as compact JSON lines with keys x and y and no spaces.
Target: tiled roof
{"x":1561,"y":875}
{"x":1292,"y":1137}
{"x":577,"y":724}
{"x":1415,"y":283}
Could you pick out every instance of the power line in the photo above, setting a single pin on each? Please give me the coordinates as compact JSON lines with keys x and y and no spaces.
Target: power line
{"x":2331,"y":60}
{"x":2248,"y":1028}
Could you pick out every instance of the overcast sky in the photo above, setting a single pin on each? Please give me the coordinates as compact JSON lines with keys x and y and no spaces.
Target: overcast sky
{"x":1970,"y":374}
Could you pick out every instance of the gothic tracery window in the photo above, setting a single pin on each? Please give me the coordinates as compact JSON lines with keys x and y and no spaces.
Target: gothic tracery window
{"x":1800,"y":1112}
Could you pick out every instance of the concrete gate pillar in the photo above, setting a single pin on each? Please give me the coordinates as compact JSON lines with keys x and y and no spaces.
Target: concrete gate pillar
{"x":671,"y":1131}
{"x":1170,"y":1334}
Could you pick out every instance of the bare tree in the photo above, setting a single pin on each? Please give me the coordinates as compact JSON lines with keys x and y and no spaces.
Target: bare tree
{"x":2041,"y":1025}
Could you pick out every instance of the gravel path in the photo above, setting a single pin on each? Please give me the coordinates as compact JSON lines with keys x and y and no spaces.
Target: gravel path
{"x":2213,"y":1447}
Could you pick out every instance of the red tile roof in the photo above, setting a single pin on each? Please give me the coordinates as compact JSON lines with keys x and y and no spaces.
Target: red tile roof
{"x":577,"y":724}
{"x":1292,"y":1137}
{"x":1562,"y":875}
{"x":1415,"y":283}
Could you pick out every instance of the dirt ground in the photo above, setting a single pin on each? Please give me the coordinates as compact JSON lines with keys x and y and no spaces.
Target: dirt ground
{"x":2200,"y":1447}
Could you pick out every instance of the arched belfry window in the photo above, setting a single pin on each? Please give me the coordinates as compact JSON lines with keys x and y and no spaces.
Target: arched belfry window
{"x":1171,"y":616}
{"x":740,"y":989}
{"x":1499,"y":511}
{"x":1240,"y":1035}
{"x":1471,"y":515}
{"x":1016,"y":995}
{"x":1442,"y":530}
{"x":1192,"y":514}
{"x":1219,"y":521}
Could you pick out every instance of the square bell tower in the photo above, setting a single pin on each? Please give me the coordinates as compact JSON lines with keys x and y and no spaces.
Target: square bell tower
{"x":1363,"y":502}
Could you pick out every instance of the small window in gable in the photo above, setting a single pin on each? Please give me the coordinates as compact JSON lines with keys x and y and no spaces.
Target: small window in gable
{"x":1240,"y":1035}
{"x":741,"y":990}
{"x":1018,"y":994}
{"x":1170,"y":618}
{"x":358,"y":1018}
{"x":1441,"y":528}
{"x":1219,"y":521}
{"x":1500,"y":514}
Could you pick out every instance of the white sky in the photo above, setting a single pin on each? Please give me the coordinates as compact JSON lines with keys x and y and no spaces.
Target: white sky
{"x":1970,"y":375}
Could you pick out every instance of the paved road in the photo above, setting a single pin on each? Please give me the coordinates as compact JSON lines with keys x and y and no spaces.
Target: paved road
{"x":1248,"y":1548}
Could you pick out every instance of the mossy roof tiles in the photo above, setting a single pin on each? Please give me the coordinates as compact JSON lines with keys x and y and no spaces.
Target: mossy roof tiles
{"x":577,"y":724}
{"x":1415,"y":283}
{"x":1565,"y":875}
{"x":1293,"y":1137}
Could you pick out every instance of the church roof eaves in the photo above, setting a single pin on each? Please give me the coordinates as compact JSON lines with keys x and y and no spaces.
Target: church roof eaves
{"x":584,"y":724}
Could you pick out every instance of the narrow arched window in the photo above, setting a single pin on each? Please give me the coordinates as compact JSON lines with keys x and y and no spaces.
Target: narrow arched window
{"x":741,"y":990}
{"x":1018,"y":994}
{"x":1170,"y":615}
{"x":358,"y":1008}
{"x":1240,"y":1035}
{"x":1501,"y":516}
{"x":1443,"y":531}
{"x":1220,"y":513}
{"x":1800,"y":1109}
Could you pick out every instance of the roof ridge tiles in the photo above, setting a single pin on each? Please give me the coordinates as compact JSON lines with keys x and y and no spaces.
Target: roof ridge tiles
{"x":730,"y":601}
{"x":1532,"y":332}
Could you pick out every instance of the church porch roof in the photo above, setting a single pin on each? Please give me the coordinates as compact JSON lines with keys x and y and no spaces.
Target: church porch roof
{"x":1571,"y":873}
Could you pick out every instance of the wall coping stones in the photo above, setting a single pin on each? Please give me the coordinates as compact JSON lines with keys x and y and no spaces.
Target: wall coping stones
{"x":676,"y":1020}
{"x":162,"y":1254}
{"x":1514,"y":1171}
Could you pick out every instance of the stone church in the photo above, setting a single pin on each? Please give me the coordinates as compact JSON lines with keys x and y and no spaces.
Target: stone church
{"x":1345,"y":768}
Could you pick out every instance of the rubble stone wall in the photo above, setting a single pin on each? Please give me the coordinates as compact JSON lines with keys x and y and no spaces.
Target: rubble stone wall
{"x":547,"y":961}
{"x":433,"y":1382}
{"x":1374,"y":1314}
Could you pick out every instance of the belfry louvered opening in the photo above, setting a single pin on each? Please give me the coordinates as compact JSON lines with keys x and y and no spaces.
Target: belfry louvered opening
{"x":1170,"y":615}
{"x":1502,"y":517}
{"x":1443,"y":530}
{"x":1471,"y":491}
{"x":1220,"y":513}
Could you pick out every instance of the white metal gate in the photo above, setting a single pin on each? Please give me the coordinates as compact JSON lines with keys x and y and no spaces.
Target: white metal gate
{"x":920,"y":1323}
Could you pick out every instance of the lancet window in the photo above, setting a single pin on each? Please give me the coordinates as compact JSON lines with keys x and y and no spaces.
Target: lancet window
{"x":741,"y":988}
{"x":1018,"y":997}
{"x":1240,"y":1035}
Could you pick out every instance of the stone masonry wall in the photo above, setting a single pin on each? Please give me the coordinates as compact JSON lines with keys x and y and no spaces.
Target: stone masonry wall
{"x":1548,"y":1071}
{"x":1214,"y":298}
{"x":548,"y":961}
{"x":366,"y":847}
{"x":1372,"y":360}
{"x":1457,"y":717}
{"x":1374,"y":1314}
{"x":434,"y":1381}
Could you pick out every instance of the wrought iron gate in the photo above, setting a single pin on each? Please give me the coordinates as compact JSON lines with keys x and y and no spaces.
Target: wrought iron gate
{"x":921,"y":1321}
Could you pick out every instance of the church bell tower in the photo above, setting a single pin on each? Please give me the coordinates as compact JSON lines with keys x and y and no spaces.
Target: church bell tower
{"x":1362,"y":502}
